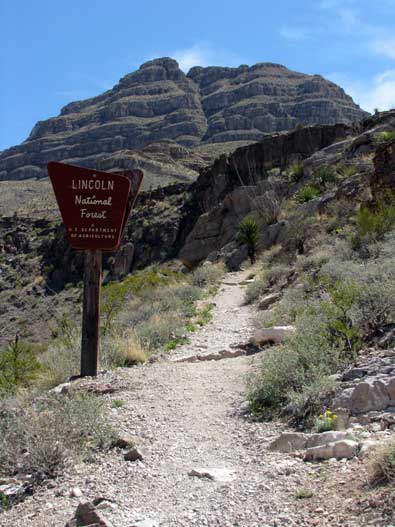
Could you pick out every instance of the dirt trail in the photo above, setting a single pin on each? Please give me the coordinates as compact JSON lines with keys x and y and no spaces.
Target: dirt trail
{"x":189,"y":417}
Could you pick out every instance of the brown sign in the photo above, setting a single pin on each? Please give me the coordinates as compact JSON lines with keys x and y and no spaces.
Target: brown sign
{"x":135,"y":177}
{"x":94,"y":204}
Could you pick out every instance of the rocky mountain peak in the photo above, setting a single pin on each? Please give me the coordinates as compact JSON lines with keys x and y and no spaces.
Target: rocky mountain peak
{"x":157,"y":70}
{"x":158,"y":102}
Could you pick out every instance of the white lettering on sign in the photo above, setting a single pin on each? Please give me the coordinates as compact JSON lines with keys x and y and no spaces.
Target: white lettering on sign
{"x":91,"y":200}
{"x":94,"y":215}
{"x":92,"y":184}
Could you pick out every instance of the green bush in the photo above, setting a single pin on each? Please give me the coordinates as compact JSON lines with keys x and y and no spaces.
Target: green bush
{"x":256,"y":288}
{"x":19,"y":365}
{"x":346,"y":170}
{"x":337,"y":308}
{"x":207,"y":274}
{"x":296,"y":172}
{"x":384,"y":137}
{"x":61,"y":360}
{"x":116,"y":294}
{"x":324,"y":177}
{"x":38,"y":437}
{"x":307,"y":193}
{"x":372,"y":223}
{"x":291,"y":373}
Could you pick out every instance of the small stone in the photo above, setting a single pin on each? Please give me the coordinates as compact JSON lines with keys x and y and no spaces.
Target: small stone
{"x":75,"y":493}
{"x":133,"y":455}
{"x":222,"y":475}
{"x":125,"y":440}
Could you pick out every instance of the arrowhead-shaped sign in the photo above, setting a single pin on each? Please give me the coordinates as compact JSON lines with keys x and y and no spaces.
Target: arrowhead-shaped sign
{"x":94,"y":205}
{"x":135,"y":177}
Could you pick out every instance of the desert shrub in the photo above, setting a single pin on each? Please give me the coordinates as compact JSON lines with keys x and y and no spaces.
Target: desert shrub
{"x":295,"y":172}
{"x":122,"y":350}
{"x":268,"y":319}
{"x":40,"y":437}
{"x":384,"y":137}
{"x":116,"y":294}
{"x":375,"y":306}
{"x":307,"y":193}
{"x":307,"y":402}
{"x":372,"y":223}
{"x":279,"y":274}
{"x":337,"y":308}
{"x":249,"y":234}
{"x":19,"y":365}
{"x":160,"y":329}
{"x":324,"y":177}
{"x":61,"y":360}
{"x":346,"y":170}
{"x":256,"y":288}
{"x":314,"y":261}
{"x":207,"y":274}
{"x":382,"y":464}
{"x":294,"y":370}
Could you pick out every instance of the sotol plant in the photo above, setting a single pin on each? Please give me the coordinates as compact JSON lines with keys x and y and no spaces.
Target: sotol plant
{"x":249,"y":234}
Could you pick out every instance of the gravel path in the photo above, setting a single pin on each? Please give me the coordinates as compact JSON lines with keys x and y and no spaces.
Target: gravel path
{"x":188,"y":416}
{"x":231,"y":323}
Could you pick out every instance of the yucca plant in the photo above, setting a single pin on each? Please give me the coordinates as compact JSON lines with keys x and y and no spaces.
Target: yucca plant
{"x":249,"y":234}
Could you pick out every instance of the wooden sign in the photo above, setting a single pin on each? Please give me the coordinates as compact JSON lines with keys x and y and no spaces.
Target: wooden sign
{"x":135,"y":177}
{"x":94,"y":205}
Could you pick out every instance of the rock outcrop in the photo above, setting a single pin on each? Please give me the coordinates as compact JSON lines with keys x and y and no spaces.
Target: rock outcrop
{"x":163,"y":121}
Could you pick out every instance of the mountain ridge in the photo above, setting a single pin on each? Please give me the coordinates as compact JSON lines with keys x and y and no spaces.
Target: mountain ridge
{"x":201,"y":112}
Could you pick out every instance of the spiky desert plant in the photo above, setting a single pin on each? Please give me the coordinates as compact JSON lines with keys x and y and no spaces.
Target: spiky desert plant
{"x":249,"y":234}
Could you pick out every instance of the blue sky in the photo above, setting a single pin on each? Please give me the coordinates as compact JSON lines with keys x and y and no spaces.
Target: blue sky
{"x":54,"y":52}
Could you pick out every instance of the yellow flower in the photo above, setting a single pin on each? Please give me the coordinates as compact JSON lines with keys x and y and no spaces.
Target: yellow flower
{"x":334,"y":416}
{"x":321,"y":416}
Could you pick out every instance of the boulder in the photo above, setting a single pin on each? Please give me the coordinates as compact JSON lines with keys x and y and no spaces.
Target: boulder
{"x":372,"y":394}
{"x":289,"y":442}
{"x":345,"y":449}
{"x":268,"y":300}
{"x":123,"y":261}
{"x":87,"y":515}
{"x":274,"y":335}
{"x":324,"y":438}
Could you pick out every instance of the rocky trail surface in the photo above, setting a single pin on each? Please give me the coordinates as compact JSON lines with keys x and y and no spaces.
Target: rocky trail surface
{"x":204,"y":462}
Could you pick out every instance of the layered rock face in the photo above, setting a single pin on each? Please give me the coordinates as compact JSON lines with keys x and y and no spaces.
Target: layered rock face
{"x":241,"y":103}
{"x":180,"y":114}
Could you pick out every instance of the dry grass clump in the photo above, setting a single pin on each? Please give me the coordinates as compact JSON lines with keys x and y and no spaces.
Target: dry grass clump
{"x":382,"y":463}
{"x":207,"y":274}
{"x":39,"y":437}
{"x":122,"y":350}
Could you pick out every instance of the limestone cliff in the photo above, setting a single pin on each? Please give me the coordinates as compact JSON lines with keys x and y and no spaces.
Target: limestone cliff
{"x":170,"y":124}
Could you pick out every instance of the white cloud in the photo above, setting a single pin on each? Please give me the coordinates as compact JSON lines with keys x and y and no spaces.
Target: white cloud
{"x":384,"y":47}
{"x":293,"y":33}
{"x":379,"y":92}
{"x":203,"y":54}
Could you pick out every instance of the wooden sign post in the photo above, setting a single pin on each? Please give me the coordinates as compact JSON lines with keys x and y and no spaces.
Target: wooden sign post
{"x":95,"y":206}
